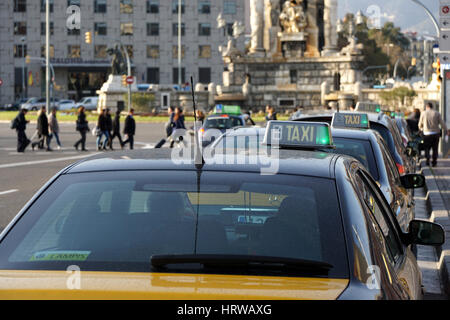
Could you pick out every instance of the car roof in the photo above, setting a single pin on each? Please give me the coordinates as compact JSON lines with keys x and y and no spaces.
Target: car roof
{"x":380,"y":117}
{"x":297,"y":162}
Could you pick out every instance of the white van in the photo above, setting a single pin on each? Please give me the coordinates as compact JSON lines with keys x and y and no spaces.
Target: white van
{"x":89,"y":103}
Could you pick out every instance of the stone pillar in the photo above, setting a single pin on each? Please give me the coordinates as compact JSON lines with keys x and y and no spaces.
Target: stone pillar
{"x":271,"y":27}
{"x":330,"y":18}
{"x":257,"y":25}
{"x":324,"y":90}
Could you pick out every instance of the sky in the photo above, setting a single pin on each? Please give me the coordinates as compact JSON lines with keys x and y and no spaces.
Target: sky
{"x":404,"y":13}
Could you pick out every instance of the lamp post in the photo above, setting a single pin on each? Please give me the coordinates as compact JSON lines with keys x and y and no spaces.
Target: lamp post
{"x":179,"y":43}
{"x":47,"y":55}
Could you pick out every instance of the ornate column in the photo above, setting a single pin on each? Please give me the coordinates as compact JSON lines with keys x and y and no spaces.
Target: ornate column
{"x":271,"y":27}
{"x":257,"y":27}
{"x":330,"y":18}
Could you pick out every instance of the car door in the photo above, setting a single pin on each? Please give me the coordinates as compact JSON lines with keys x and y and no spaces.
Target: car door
{"x":399,"y":256}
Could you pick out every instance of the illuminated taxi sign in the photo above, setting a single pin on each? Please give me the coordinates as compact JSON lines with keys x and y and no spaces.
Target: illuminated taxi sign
{"x":223,"y":109}
{"x":368,"y":107}
{"x":350,"y":120}
{"x":296,"y":134}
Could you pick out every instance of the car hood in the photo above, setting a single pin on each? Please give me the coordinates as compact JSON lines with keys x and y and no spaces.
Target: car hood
{"x":116,"y":285}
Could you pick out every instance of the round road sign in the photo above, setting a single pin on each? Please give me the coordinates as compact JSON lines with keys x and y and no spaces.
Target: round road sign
{"x":130,"y":80}
{"x":445,"y":9}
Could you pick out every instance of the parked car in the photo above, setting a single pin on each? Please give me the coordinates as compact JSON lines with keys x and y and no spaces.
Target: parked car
{"x":15,"y":105}
{"x":35,"y":104}
{"x":67,"y":105}
{"x":89,"y":103}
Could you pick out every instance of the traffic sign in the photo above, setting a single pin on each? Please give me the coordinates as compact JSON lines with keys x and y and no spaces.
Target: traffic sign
{"x":444,"y":10}
{"x":130,"y":80}
{"x":444,"y":23}
{"x":445,"y":58}
{"x":1,"y":82}
{"x":444,"y":41}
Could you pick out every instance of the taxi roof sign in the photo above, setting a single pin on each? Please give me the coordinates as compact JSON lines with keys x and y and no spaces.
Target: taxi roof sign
{"x":350,"y":120}
{"x":368,"y":107}
{"x":223,"y":109}
{"x":298,"y":135}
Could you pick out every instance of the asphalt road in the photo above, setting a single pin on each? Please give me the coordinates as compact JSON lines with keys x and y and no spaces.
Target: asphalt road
{"x":22,"y":175}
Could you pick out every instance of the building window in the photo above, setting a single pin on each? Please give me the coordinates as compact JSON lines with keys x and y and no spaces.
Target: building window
{"x":175,"y":6}
{"x":153,"y":52}
{"x":153,"y":75}
{"x":229,"y":7}
{"x":100,"y":28}
{"x":204,"y":29}
{"x":175,"y":52}
{"x":293,"y":76}
{"x":73,"y":3}
{"x":73,"y":32}
{"x":204,"y":51}
{"x":152,"y":29}
{"x":126,"y":6}
{"x":204,"y":6}
{"x":152,"y":6}
{"x":100,"y":51}
{"x":175,"y":29}
{"x":175,"y":75}
{"x":43,"y":5}
{"x":126,"y":29}
{"x":52,"y":51}
{"x":20,"y":51}
{"x":229,"y":30}
{"x":74,"y":51}
{"x":100,"y":6}
{"x":204,"y":75}
{"x":20,"y":5}
{"x":20,"y":28}
{"x":43,"y":28}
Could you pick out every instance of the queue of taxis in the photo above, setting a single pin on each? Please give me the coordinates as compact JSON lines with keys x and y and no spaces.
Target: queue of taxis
{"x":141,"y":225}
{"x":352,"y":136}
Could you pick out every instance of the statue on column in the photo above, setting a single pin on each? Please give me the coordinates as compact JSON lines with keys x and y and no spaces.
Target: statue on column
{"x":330,"y":32}
{"x":293,"y":18}
{"x":257,"y":25}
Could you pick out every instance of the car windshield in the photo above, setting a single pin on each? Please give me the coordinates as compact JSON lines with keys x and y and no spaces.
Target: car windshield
{"x":222,"y":123}
{"x":116,"y":221}
{"x":359,"y":149}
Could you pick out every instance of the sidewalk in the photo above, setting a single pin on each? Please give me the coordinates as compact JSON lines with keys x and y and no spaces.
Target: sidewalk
{"x":437,"y":201}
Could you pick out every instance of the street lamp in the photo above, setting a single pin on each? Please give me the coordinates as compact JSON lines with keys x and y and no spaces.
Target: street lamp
{"x":179,"y":43}
{"x":23,"y":66}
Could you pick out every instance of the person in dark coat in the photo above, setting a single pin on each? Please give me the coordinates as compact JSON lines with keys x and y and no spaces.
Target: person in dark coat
{"x":82,"y":127}
{"x":130,"y":129}
{"x":21,"y":126}
{"x":271,"y":114}
{"x":42,"y":128}
{"x":116,"y":130}
{"x":102,"y":125}
{"x":179,"y":129}
{"x":168,"y":128}
{"x":109,"y":126}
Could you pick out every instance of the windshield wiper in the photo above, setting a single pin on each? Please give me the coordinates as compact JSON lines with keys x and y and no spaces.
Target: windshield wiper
{"x":243,"y":261}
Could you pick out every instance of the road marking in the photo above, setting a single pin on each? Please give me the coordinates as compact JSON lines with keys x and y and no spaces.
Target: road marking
{"x":145,"y":145}
{"x":30,"y":163}
{"x":9,"y":191}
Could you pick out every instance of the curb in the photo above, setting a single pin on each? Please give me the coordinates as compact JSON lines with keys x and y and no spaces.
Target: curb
{"x":438,"y":214}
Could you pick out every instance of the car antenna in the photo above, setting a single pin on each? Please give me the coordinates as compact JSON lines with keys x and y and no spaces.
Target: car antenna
{"x":199,"y":162}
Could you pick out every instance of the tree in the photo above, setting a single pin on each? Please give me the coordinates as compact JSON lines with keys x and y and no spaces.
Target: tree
{"x":399,"y":96}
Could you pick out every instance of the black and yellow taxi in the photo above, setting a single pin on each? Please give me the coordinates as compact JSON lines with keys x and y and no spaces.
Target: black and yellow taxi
{"x":292,"y":223}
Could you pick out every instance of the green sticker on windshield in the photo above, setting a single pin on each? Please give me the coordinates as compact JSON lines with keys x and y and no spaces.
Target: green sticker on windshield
{"x":60,"y":256}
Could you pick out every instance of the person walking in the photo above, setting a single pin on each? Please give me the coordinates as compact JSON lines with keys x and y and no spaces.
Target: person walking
{"x":53,"y":127}
{"x":20,"y":124}
{"x":102,"y":125}
{"x":430,"y":124}
{"x":42,"y":128}
{"x":116,"y":130}
{"x":129,"y":129}
{"x":177,"y":120}
{"x":271,"y":114}
{"x":413,"y":121}
{"x":168,"y":128}
{"x":82,"y":128}
{"x":109,"y":127}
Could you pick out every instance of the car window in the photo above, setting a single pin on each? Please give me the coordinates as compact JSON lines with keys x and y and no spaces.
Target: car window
{"x":372,"y":200}
{"x":391,"y":168}
{"x":359,"y":149}
{"x":117,"y":220}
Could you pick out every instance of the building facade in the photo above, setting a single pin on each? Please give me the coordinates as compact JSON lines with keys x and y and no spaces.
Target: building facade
{"x":147,"y":28}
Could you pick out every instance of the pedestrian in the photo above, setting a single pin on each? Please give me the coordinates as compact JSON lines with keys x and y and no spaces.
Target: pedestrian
{"x":53,"y":127}
{"x":102,"y":125}
{"x":109,"y":127}
{"x":116,"y":130}
{"x":413,"y":121}
{"x":42,"y":128}
{"x":177,"y":120}
{"x":271,"y":114}
{"x":129,"y":129}
{"x":20,"y":124}
{"x":431,"y":123}
{"x":200,"y":115}
{"x":82,"y":128}
{"x":168,"y":128}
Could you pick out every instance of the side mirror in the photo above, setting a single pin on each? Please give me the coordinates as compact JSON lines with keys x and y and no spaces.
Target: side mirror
{"x":425,"y":233}
{"x":412,"y":181}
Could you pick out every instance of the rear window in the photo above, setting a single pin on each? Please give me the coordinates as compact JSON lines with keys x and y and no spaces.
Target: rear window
{"x":223,"y":123}
{"x":387,"y":136}
{"x":359,"y":149}
{"x":115,"y":221}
